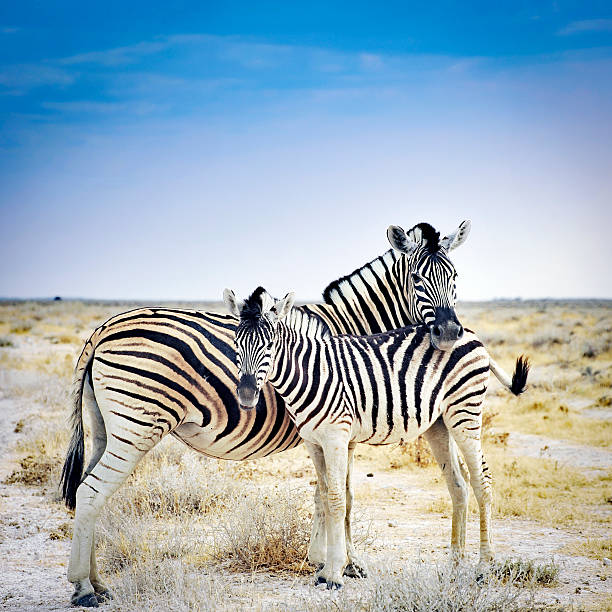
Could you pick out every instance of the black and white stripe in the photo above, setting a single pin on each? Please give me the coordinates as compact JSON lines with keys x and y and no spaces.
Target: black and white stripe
{"x":377,"y":389}
{"x":154,"y":371}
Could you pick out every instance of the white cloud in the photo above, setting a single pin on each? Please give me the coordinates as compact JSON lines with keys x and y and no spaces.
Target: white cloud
{"x":28,"y":76}
{"x":104,"y":108}
{"x":587,"y":25}
{"x":371,"y":61}
{"x":118,"y":55}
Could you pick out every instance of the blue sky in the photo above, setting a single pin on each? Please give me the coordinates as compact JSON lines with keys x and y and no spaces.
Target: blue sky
{"x":157,"y":153}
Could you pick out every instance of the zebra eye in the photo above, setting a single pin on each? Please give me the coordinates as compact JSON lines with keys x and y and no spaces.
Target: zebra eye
{"x":415,"y":277}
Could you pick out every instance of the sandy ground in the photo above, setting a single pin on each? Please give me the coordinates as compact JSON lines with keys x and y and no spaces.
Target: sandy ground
{"x":34,"y":565}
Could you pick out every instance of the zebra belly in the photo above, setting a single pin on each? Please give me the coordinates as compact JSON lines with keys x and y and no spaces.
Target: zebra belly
{"x":384,"y":434}
{"x":263,"y":431}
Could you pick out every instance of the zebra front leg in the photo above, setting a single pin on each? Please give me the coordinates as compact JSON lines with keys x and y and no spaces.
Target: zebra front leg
{"x":116,"y":464}
{"x":445,"y":453}
{"x":335,"y":450}
{"x":318,"y":536}
{"x":354,"y":568}
{"x":481,"y":485}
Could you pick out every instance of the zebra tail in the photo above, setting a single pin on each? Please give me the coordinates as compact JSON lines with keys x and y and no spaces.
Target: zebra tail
{"x":72,"y":472}
{"x":518,"y":383}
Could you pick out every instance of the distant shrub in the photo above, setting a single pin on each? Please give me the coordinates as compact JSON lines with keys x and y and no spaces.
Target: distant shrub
{"x":5,"y":342}
{"x":22,"y":328}
{"x":548,"y":339}
{"x":596,"y":346}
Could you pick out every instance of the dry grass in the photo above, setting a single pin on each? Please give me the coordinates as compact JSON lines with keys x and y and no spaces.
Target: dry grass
{"x":269,"y":530}
{"x":172,"y":481}
{"x":424,"y":587}
{"x":204,"y":512}
{"x":548,"y":415}
{"x":182,"y":517}
{"x":414,"y":453}
{"x":525,"y":572}
{"x":43,"y":436}
{"x":170,"y":584}
{"x":594,"y":548}
{"x":541,"y":490}
{"x":33,"y":470}
{"x":61,"y":532}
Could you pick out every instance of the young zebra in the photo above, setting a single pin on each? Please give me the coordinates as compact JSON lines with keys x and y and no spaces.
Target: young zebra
{"x":153,"y":371}
{"x":380,"y":389}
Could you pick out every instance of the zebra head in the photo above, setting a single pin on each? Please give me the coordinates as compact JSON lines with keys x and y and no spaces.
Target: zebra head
{"x":255,"y":339}
{"x":429,"y":276}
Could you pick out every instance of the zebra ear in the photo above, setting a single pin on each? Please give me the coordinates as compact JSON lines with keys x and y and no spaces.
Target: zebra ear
{"x":229,"y":297}
{"x":458,"y":237}
{"x":282,"y":307}
{"x":399,"y":240}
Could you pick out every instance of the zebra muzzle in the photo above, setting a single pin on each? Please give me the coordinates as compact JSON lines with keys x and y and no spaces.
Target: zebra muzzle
{"x":446,"y":329}
{"x":247,"y":391}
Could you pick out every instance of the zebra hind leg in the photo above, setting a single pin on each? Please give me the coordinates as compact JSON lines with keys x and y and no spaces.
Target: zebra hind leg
{"x":444,"y":451}
{"x":354,"y":567}
{"x":116,"y":464}
{"x":480,"y":479}
{"x":98,"y":430}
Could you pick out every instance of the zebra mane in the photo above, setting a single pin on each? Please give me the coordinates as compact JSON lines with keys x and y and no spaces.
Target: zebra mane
{"x":427,"y":235}
{"x":261,"y":302}
{"x":335,"y":289}
{"x":252,"y":310}
{"x":422,"y":232}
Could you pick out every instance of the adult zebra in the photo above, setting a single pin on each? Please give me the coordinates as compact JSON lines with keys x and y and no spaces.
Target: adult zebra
{"x":153,"y":371}
{"x":380,"y":389}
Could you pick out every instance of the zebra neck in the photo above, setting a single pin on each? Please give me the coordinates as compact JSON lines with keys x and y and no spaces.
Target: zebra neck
{"x":294,"y":351}
{"x":368,"y":301}
{"x":307,"y":323}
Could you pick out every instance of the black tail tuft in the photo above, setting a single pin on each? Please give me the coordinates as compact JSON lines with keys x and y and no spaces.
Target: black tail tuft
{"x":519,"y":378}
{"x":72,"y":472}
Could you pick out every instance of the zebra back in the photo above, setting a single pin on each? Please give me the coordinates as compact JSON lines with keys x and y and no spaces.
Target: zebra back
{"x":389,"y":386}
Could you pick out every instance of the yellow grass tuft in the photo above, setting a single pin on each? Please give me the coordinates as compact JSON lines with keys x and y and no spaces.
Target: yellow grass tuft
{"x":594,"y":548}
{"x":270,"y":532}
{"x":62,"y":532}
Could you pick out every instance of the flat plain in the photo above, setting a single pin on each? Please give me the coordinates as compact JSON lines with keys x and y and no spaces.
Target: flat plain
{"x":187,"y":532}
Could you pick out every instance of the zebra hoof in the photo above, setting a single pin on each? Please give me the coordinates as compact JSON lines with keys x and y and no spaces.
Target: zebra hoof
{"x":86,"y":601}
{"x":333,"y":586}
{"x":330,"y":584}
{"x":352,"y":570}
{"x":320,"y":580}
{"x":104,"y":596}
